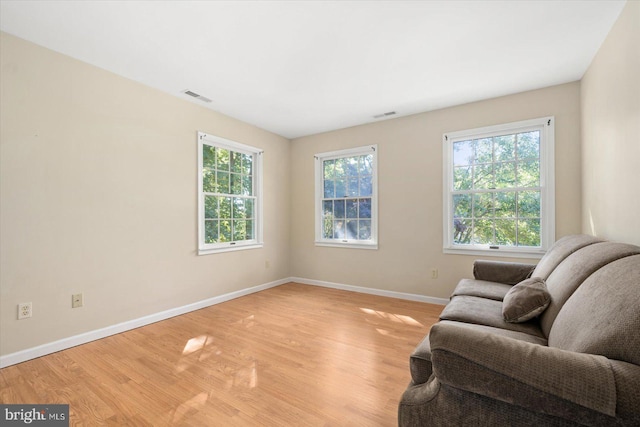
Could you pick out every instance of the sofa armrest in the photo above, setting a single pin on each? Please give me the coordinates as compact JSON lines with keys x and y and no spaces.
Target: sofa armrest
{"x":539,"y":378}
{"x":509,"y":273}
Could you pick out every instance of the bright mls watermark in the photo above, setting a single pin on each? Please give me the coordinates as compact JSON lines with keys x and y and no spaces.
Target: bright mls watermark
{"x":36,"y":415}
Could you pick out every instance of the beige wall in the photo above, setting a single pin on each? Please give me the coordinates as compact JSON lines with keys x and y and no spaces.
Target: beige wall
{"x":611,"y":133}
{"x":410,"y":192}
{"x":99,"y":196}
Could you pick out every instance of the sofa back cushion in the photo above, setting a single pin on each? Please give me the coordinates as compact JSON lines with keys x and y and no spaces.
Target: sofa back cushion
{"x":559,"y":251}
{"x":603,"y":315}
{"x":574,"y":270}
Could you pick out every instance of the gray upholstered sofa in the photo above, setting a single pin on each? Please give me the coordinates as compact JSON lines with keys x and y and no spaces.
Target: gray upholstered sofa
{"x":577,"y":363}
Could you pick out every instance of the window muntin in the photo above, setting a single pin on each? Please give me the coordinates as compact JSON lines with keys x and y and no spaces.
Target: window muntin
{"x":229,"y":195}
{"x":499,"y":188}
{"x":346,"y":198}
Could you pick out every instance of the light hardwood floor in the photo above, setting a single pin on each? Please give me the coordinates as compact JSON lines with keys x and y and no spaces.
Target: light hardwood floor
{"x":293,"y":355}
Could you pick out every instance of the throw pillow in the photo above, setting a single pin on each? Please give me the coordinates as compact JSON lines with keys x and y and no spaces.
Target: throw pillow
{"x":525,"y":300}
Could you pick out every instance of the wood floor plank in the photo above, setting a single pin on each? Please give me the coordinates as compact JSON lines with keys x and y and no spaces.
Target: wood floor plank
{"x":293,"y":355}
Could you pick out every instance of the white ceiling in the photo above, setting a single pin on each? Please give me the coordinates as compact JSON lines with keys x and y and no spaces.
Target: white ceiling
{"x":302,"y":67}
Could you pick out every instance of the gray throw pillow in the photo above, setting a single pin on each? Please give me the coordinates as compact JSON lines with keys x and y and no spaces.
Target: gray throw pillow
{"x":525,"y":300}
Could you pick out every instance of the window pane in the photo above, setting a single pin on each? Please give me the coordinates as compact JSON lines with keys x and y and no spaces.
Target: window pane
{"x":364,"y":208}
{"x":328,"y":167}
{"x":222,"y":159}
{"x":482,"y":205}
{"x":529,"y":174}
{"x":462,"y":229}
{"x":327,"y":226}
{"x":338,"y":208}
{"x":529,"y":204}
{"x":208,"y":156}
{"x":327,"y":207}
{"x":504,"y":148}
{"x":211,"y":231}
{"x":364,"y":230}
{"x":529,"y":232}
{"x":210,"y":207}
{"x":352,"y":166}
{"x":338,"y":229}
{"x":248,"y":208}
{"x":352,"y":186}
{"x":463,"y":153}
{"x":224,"y":204}
{"x":236,"y":162}
{"x":366,"y":188}
{"x":505,"y":205}
{"x":365,"y":164}
{"x":223,"y":182}
{"x":341,"y":189}
{"x":462,"y":178}
{"x":329,"y":191}
{"x":341,"y":167}
{"x":247,"y":185}
{"x":483,"y":231}
{"x":462,"y":205}
{"x":352,"y":208}
{"x":505,"y":231}
{"x":483,"y":177}
{"x":247,"y":164}
{"x":225,"y":231}
{"x":352,"y":229}
{"x":209,"y":181}
{"x":239,"y":230}
{"x":239,"y":211}
{"x":505,"y":174}
{"x":528,"y":145}
{"x":250,"y":232}
{"x":484,"y":150}
{"x":236,"y":183}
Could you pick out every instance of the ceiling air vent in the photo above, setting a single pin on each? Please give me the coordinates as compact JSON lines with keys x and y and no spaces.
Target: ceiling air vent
{"x":196,"y":96}
{"x":387,"y":114}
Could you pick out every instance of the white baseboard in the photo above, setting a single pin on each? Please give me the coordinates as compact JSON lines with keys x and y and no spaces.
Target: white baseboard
{"x":52,"y":347}
{"x":379,"y":292}
{"x":44,"y":349}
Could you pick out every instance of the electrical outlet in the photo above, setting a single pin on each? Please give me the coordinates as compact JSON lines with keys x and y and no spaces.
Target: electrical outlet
{"x":434,"y":273}
{"x":76,"y":300}
{"x":267,"y":264}
{"x":25,"y":310}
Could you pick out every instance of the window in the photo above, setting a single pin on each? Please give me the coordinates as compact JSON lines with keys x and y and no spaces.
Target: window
{"x":499,"y":189}
{"x":229,"y":195}
{"x":346,"y":198}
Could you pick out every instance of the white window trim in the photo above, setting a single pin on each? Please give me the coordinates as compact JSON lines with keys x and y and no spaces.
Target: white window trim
{"x":257,"y":242}
{"x":546,"y":125}
{"x":319,"y":175}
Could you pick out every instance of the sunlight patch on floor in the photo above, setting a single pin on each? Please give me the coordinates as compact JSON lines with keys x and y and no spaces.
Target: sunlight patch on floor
{"x":398,"y":318}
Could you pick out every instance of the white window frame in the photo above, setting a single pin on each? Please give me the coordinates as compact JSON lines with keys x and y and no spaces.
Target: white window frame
{"x":546,"y":126}
{"x":319,"y":193}
{"x":256,"y":153}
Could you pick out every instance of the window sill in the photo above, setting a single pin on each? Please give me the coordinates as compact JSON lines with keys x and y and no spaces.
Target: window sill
{"x":348,"y":245}
{"x":229,"y":248}
{"x":502,"y":252}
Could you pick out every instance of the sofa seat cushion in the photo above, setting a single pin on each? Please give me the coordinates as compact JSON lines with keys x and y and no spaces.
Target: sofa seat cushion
{"x":525,"y":300}
{"x":483,"y":311}
{"x":520,"y":336}
{"x":481,"y":288}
